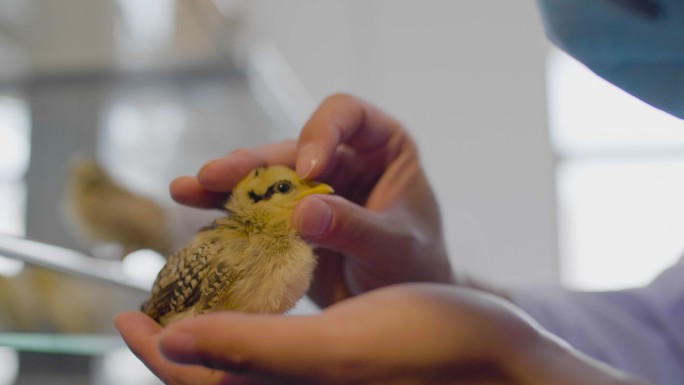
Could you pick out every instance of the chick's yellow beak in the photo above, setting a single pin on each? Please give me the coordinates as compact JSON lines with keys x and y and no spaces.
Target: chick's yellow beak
{"x":314,"y":188}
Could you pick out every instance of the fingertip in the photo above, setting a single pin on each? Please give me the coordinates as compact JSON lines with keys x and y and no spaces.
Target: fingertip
{"x":181,"y":184}
{"x":308,"y":160}
{"x":209,"y":175}
{"x":136,"y":329}
{"x":121,"y":318}
{"x":338,"y":224}
{"x":222,"y":174}
{"x":187,"y":190}
{"x":312,"y":217}
{"x":206,"y":165}
{"x":127,"y":318}
{"x":206,"y":341}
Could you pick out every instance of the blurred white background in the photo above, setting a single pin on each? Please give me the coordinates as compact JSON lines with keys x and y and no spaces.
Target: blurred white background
{"x":468,"y":83}
{"x":467,"y":79}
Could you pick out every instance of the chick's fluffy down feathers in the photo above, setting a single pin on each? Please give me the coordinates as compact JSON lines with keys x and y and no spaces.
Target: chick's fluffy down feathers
{"x":102,"y":211}
{"x":251,"y":261}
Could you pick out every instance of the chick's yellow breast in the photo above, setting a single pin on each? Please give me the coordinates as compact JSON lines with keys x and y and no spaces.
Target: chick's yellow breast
{"x":273,"y":270}
{"x":264,"y":270}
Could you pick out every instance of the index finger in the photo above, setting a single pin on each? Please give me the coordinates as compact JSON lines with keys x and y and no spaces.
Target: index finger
{"x":341,"y":119}
{"x":210,"y":188}
{"x":222,"y":174}
{"x":188,"y":191}
{"x":253,"y":345}
{"x":141,"y":334}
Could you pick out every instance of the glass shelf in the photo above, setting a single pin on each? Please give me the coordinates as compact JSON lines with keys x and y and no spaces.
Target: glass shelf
{"x":70,"y":344}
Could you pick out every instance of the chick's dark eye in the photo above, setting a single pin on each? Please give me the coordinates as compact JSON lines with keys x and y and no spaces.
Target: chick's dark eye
{"x":283,"y":187}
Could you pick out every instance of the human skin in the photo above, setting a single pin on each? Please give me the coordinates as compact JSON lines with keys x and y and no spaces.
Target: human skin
{"x":403,"y":334}
{"x":382,"y":227}
{"x":376,"y":239}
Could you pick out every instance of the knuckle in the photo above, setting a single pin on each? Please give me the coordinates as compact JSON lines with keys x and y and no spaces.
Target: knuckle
{"x":233,"y":363}
{"x":238,"y":364}
{"x":415,"y":240}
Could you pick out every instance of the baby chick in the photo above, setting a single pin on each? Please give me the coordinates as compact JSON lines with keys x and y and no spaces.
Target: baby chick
{"x":251,"y":261}
{"x":106,"y":212}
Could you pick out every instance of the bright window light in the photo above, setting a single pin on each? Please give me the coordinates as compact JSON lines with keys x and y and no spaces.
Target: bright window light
{"x":12,"y":208}
{"x":141,"y":135}
{"x":14,"y":160}
{"x":14,"y":138}
{"x":588,"y":114}
{"x":143,"y":265}
{"x":620,"y":181}
{"x":147,"y":25}
{"x":135,"y":372}
{"x":621,"y":221}
{"x":9,"y":366}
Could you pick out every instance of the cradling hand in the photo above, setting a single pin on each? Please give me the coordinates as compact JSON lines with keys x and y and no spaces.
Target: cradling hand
{"x":383,"y":227}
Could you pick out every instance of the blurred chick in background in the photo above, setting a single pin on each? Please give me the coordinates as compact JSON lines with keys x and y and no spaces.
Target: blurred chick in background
{"x":101,"y":211}
{"x":252,"y":260}
{"x":41,"y":300}
{"x":44,"y":301}
{"x":105,"y":212}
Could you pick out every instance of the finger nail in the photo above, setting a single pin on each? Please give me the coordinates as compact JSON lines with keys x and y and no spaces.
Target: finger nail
{"x":309,"y":156}
{"x":313,"y":217}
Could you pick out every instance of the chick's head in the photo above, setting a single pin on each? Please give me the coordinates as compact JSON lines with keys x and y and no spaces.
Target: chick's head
{"x":272,"y":190}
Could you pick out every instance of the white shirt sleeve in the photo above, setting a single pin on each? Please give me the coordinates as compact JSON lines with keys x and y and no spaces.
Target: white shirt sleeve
{"x":639,"y":331}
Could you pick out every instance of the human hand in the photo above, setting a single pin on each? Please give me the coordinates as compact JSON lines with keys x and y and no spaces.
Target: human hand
{"x":404,"y":334}
{"x":383,"y":228}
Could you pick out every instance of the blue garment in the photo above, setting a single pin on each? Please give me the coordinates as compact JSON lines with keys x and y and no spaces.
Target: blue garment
{"x":638,"y":45}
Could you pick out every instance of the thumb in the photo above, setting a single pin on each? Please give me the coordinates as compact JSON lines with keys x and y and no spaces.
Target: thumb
{"x":335,"y":223}
{"x":256,"y":345}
